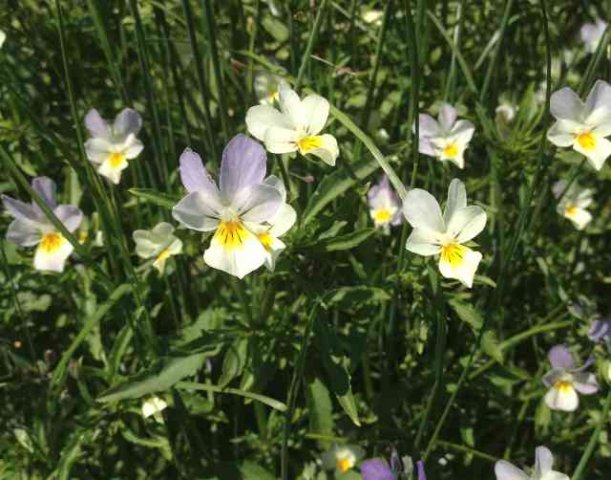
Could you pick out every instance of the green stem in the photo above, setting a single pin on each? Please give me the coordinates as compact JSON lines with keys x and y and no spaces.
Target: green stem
{"x":306,"y":56}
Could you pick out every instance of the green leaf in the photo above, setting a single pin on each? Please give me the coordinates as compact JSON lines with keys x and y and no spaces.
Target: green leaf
{"x":157,"y":198}
{"x":337,"y":375}
{"x":467,"y":314}
{"x":234,"y":361}
{"x":359,"y":295}
{"x":490,"y":346}
{"x":320,"y":410}
{"x":167,"y":373}
{"x":344,"y":242}
{"x":334,"y":185}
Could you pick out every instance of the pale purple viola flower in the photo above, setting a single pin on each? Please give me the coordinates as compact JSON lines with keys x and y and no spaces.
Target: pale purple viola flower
{"x":543,"y":470}
{"x":565,"y":380}
{"x":379,"y":469}
{"x":244,"y":210}
{"x":384,"y":204}
{"x":600,"y":330}
{"x":592,"y":33}
{"x":445,"y":138}
{"x":31,"y":228}
{"x":111,"y":146}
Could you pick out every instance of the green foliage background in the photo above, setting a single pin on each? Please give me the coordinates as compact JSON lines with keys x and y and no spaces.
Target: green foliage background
{"x":352,"y":339}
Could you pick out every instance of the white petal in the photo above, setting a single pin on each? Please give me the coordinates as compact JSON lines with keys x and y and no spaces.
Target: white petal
{"x":238,"y":253}
{"x":447,"y":117}
{"x":153,"y":406}
{"x":596,"y":155}
{"x":506,"y":471}
{"x":280,"y":140}
{"x":290,"y":105}
{"x":112,"y":172}
{"x":565,"y":104}
{"x":598,"y":104}
{"x":262,"y":117}
{"x":283,"y":221}
{"x":131,"y":147}
{"x":466,"y":223}
{"x":422,"y":242}
{"x":427,"y":126}
{"x":328,"y":150}
{"x":55,"y":260}
{"x":315,"y":110}
{"x":544,"y":461}
{"x":564,"y":399}
{"x":461,"y":265}
{"x":98,"y":149}
{"x":562,"y":133}
{"x":579,"y":216}
{"x":199,"y":210}
{"x":422,"y":211}
{"x":457,"y":199}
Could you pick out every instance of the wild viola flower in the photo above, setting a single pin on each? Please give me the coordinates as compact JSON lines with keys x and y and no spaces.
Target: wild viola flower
{"x":158,"y":243}
{"x":384,"y":204}
{"x":445,"y":235}
{"x":565,"y":380}
{"x":573,"y":202}
{"x":31,"y":227}
{"x":505,"y":112}
{"x":342,"y":458}
{"x":296,"y":126}
{"x":379,"y":469}
{"x":267,"y":87}
{"x":245,"y":211}
{"x":600,"y":331}
{"x":445,"y":138}
{"x":2,"y":38}
{"x":544,"y":461}
{"x":583,"y":126}
{"x":111,"y":146}
{"x":592,"y":33}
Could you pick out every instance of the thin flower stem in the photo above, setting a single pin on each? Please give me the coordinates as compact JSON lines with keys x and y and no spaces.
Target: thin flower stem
{"x":250,"y":82}
{"x":594,"y":439}
{"x":313,"y":34}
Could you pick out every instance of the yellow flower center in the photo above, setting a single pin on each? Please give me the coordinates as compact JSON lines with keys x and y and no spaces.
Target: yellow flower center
{"x":266,"y":240}
{"x":563,"y":386}
{"x":450,"y":150}
{"x":382,"y":215}
{"x":308,"y":144}
{"x":344,"y":464}
{"x":570,"y":211}
{"x":116,"y":159}
{"x":51,"y":242}
{"x":453,"y":253}
{"x":586,"y":140}
{"x":164,"y":255}
{"x":231,"y":234}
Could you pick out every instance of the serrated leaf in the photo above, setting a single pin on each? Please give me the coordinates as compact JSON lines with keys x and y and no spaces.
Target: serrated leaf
{"x":490,"y":346}
{"x":167,"y":373}
{"x":467,"y":314}
{"x":320,"y":410}
{"x":234,"y":361}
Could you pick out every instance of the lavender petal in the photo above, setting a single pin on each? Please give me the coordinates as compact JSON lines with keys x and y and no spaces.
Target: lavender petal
{"x":243,"y":166}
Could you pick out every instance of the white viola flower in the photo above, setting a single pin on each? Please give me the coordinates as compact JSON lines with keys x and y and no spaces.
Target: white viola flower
{"x":153,"y":407}
{"x":544,"y":461}
{"x":269,"y":232}
{"x":373,"y":16}
{"x":236,"y":210}
{"x":565,"y":380}
{"x":583,"y":126}
{"x":295,"y":127}
{"x":31,"y":228}
{"x":111,"y":146}
{"x":267,"y":87}
{"x":445,"y":138}
{"x":342,"y":458}
{"x":445,"y":235}
{"x":2,"y":38}
{"x":573,"y":203}
{"x":592,"y":33}
{"x":158,"y":243}
{"x":384,"y":204}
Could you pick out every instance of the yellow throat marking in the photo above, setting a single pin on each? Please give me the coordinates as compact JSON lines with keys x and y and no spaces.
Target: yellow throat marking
{"x":266,"y":240}
{"x":231,"y":234}
{"x":309,"y":144}
{"x":453,"y":253}
{"x":586,"y":140}
{"x":51,"y":242}
{"x":450,"y":151}
{"x":344,"y":464}
{"x":563,"y":386}
{"x":382,"y":215}
{"x":116,"y":159}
